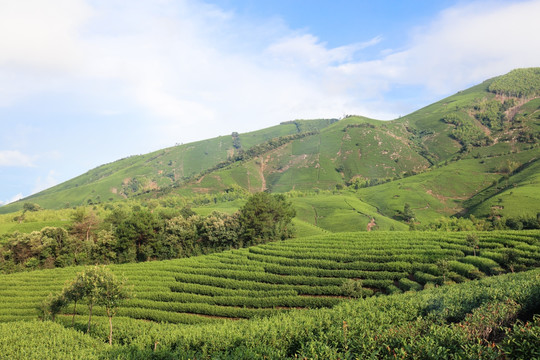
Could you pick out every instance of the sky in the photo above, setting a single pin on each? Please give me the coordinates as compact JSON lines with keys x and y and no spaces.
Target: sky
{"x":87,"y":82}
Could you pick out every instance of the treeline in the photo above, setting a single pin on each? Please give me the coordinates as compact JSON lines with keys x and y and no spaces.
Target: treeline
{"x":519,"y":83}
{"x":481,"y":224}
{"x":138,"y":233}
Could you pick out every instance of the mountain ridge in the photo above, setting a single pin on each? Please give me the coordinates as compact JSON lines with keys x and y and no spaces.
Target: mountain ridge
{"x":493,"y":124}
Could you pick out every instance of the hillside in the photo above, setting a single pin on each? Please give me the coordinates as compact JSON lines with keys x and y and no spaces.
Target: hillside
{"x":474,"y":153}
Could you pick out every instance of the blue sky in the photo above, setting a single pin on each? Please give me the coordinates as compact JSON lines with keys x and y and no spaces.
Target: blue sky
{"x":86,"y":82}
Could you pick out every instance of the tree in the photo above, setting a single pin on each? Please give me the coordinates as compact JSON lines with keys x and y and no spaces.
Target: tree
{"x":510,"y":258}
{"x":444,"y":268}
{"x":266,"y":217}
{"x":84,"y":223}
{"x":51,"y":306}
{"x":408,"y":214}
{"x":219,"y":230}
{"x":75,"y":291}
{"x":99,"y":286}
{"x":89,"y":283}
{"x":31,"y":207}
{"x":137,"y":236}
{"x":112,"y":291}
{"x":473,"y":242}
{"x":104,"y":249}
{"x":179,"y":237}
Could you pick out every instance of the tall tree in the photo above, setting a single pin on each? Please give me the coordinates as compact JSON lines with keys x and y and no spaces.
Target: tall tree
{"x":266,"y":217}
{"x":85,"y":222}
{"x":137,"y":235}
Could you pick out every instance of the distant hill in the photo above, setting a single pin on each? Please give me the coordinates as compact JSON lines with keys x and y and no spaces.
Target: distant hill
{"x":474,"y":152}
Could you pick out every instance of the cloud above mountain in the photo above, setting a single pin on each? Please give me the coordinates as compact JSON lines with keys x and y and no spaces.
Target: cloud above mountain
{"x":156,"y":73}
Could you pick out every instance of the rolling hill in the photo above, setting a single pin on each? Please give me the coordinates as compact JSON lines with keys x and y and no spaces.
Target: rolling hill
{"x":474,"y":152}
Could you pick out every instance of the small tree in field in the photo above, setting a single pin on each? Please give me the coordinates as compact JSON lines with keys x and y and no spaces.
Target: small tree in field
{"x":112,"y":291}
{"x":51,"y":306}
{"x":444,"y":268}
{"x":472,"y":241}
{"x":99,"y":286}
{"x":408,"y":213}
{"x":75,"y":291}
{"x":89,"y":286}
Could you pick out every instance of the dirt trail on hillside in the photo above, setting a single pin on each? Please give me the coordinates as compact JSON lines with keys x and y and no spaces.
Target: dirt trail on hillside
{"x":261,"y":173}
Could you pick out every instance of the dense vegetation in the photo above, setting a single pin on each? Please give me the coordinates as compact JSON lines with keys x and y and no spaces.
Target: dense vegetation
{"x":128,"y":234}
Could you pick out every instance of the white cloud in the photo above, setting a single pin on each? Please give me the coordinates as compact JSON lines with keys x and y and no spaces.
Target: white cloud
{"x":465,"y":44}
{"x":15,"y":158}
{"x":197,"y":71}
{"x":46,"y":182}
{"x":13,"y":199}
{"x":39,"y":45}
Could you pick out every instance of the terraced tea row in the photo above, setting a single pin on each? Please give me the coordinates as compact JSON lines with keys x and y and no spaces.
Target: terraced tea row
{"x":309,"y":272}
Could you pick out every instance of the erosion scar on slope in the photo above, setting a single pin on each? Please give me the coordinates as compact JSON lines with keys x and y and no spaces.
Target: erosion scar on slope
{"x":261,"y":173}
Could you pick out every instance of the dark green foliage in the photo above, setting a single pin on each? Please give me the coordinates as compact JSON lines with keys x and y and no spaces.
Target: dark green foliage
{"x":31,"y":207}
{"x":236,"y":140}
{"x":266,"y":217}
{"x":51,"y":306}
{"x":407,"y":214}
{"x":140,"y":233}
{"x":137,"y":236}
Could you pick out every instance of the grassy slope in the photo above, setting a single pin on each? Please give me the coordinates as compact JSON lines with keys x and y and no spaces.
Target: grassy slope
{"x":519,"y":195}
{"x":340,"y":213}
{"x":444,"y":191}
{"x":337,"y":154}
{"x":438,"y":143}
{"x":145,"y":172}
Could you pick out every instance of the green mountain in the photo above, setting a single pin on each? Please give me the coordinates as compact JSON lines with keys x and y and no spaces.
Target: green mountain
{"x":474,"y":152}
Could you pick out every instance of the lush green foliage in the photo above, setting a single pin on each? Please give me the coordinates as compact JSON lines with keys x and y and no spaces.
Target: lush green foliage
{"x":141,"y":233}
{"x":35,"y":340}
{"x":471,"y":153}
{"x":519,"y":82}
